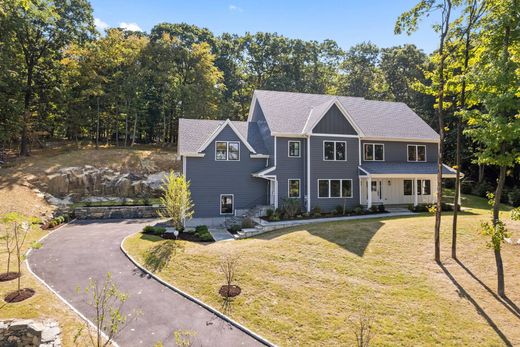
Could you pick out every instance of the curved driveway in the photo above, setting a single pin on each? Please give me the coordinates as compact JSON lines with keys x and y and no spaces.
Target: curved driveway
{"x":84,"y":249}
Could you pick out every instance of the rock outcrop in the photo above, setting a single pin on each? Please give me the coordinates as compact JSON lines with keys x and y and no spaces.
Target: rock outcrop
{"x":29,"y":333}
{"x":77,"y":182}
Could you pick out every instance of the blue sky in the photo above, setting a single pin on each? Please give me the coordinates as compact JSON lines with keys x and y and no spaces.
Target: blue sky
{"x":347,"y":22}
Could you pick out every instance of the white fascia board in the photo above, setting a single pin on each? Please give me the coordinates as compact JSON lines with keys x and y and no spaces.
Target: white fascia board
{"x":193,"y":154}
{"x":259,"y":156}
{"x":409,"y":175}
{"x":398,"y":139}
{"x":334,"y":135}
{"x":264,"y":172}
{"x":219,"y":130}
{"x":365,"y":171}
{"x":296,"y":135}
{"x":251,"y":107}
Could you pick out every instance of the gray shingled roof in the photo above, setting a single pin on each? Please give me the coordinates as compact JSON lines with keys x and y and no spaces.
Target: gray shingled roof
{"x":405,"y":168}
{"x":194,"y":132}
{"x":288,"y":112}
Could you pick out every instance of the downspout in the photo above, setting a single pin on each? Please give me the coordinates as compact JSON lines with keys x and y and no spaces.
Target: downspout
{"x":276,"y":179}
{"x":308,"y":155}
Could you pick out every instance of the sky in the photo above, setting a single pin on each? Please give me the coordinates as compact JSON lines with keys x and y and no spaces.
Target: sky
{"x":347,"y":22}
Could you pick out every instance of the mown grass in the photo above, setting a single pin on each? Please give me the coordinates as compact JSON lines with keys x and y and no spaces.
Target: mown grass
{"x":300,"y":285}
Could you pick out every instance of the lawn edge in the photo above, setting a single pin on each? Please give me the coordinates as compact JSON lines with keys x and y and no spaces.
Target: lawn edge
{"x":194,"y":299}
{"x":80,"y":315}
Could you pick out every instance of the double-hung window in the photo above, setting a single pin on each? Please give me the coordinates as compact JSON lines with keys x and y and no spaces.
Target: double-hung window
{"x":416,"y":152}
{"x":227,"y":203}
{"x":424,"y":187}
{"x":227,"y":150}
{"x":294,"y":149}
{"x":294,"y":188}
{"x":374,"y":152}
{"x":334,"y":188}
{"x":335,"y":150}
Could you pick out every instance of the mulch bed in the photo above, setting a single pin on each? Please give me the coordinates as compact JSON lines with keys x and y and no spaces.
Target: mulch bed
{"x":325,"y":216}
{"x":182,"y":236}
{"x":18,"y":296}
{"x":229,"y":291}
{"x":8,"y":276}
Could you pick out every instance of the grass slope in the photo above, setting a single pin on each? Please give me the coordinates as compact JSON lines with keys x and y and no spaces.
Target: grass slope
{"x":300,"y":285}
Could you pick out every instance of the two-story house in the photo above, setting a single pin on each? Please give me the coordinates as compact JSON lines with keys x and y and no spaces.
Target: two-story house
{"x":324,"y":150}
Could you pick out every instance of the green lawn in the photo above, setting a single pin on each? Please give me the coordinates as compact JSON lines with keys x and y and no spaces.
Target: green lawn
{"x":300,"y":285}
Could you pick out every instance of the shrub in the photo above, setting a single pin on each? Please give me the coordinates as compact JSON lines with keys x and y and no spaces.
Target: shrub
{"x":420,"y":208}
{"x":153,"y":230}
{"x":358,"y":210}
{"x":290,"y":207}
{"x":235,"y":228}
{"x":339,"y":209}
{"x":203,"y":233}
{"x":515,"y":214}
{"x":466,"y":187}
{"x":381,"y":208}
{"x":316,"y":211}
{"x":201,"y":229}
{"x":514,"y":197}
{"x":275,"y":218}
{"x":374,"y":208}
{"x":269,"y":213}
{"x":248,"y":223}
{"x":482,"y":188}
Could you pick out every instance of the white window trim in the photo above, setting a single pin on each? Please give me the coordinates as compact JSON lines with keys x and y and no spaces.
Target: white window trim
{"x":289,"y":188}
{"x":416,"y":154}
{"x":340,"y":187}
{"x":373,"y":144}
{"x":413,"y":187}
{"x":220,"y":205}
{"x":227,"y":151}
{"x":289,"y":149}
{"x":345,"y":142}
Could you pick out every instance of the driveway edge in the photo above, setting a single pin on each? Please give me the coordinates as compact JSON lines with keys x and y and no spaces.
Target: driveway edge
{"x":69,"y":305}
{"x":195,"y":300}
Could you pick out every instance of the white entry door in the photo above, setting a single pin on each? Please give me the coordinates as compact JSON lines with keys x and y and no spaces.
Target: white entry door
{"x":377,"y":191}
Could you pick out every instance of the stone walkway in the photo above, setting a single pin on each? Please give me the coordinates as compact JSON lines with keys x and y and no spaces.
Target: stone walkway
{"x":90,"y":249}
{"x":221,"y":234}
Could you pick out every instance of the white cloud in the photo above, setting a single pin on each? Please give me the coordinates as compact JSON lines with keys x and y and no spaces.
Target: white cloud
{"x":100,"y":25}
{"x":235,"y":8}
{"x":130,"y":26}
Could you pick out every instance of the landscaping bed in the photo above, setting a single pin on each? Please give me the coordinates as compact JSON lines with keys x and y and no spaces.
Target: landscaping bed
{"x":282,"y":214}
{"x":199,"y":234}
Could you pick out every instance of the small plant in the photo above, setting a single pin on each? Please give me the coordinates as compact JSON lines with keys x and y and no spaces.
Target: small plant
{"x":358,"y":210}
{"x":374,"y":208}
{"x":154,"y":230}
{"x":202,"y":232}
{"x":339,"y":209}
{"x":228,"y":267}
{"x":235,"y":228}
{"x":290,"y":207}
{"x":269,"y":213}
{"x":248,"y":223}
{"x":316,"y":211}
{"x":515,"y":214}
{"x":381,"y":208}
{"x":361,"y":325}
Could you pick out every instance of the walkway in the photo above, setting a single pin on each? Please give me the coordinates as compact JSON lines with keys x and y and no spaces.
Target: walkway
{"x":84,"y":249}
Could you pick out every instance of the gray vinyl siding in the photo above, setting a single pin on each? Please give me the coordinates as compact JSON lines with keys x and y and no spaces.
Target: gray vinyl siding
{"x":334,"y":122}
{"x":210,"y":178}
{"x":321,"y":169}
{"x":289,"y":168}
{"x":397,"y":151}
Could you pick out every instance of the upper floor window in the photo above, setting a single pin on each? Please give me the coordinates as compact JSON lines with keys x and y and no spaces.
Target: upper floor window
{"x":334,"y":150}
{"x":374,"y":152}
{"x":294,"y":149}
{"x":227,"y":150}
{"x":416,"y":153}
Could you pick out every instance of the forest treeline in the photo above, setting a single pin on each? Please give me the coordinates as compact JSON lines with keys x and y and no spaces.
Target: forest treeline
{"x":60,"y":78}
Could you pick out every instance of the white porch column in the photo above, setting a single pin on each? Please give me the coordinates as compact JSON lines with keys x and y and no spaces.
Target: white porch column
{"x":276,"y":193}
{"x":369,"y":192}
{"x":415,"y":203}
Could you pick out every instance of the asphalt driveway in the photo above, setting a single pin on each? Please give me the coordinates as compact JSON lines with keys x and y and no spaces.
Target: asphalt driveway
{"x":90,"y":249}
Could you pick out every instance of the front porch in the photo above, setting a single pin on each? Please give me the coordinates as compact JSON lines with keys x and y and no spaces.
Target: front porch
{"x":399,"y":184}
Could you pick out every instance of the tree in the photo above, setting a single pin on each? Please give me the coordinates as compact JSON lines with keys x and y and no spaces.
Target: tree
{"x":497,"y":126}
{"x":176,"y":200}
{"x":408,"y":22}
{"x":42,"y":30}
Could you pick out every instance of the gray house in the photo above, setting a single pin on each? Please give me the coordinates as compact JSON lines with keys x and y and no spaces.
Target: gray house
{"x":324,"y":150}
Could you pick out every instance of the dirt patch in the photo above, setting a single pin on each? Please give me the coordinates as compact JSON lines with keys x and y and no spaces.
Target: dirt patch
{"x":9,"y":276}
{"x":229,"y":291}
{"x":21,"y":295}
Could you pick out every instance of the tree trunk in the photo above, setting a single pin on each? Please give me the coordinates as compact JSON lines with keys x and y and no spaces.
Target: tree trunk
{"x":440,"y":113}
{"x":117,"y":123}
{"x":135,"y":129}
{"x":481,"y":173}
{"x":97,"y":125}
{"x":457,"y":193}
{"x":126,"y":124}
{"x":496,"y":219}
{"x":26,"y":118}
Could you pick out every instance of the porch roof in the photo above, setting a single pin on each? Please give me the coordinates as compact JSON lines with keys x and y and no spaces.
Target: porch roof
{"x":388,"y":169}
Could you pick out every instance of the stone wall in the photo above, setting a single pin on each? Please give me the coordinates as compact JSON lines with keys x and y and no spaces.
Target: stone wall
{"x":29,"y":333}
{"x":117,"y":212}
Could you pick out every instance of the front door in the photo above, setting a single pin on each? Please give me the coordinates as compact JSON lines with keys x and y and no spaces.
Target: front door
{"x":377,"y":191}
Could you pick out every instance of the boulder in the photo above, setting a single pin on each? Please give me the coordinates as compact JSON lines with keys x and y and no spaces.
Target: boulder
{"x":57,"y":184}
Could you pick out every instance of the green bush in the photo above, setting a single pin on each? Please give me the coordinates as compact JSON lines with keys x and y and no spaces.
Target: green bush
{"x":201,"y":229}
{"x":481,"y":189}
{"x":290,"y":207}
{"x":235,"y":228}
{"x":374,"y":208}
{"x":248,"y":223}
{"x":275,"y":218}
{"x":269,"y":213}
{"x":339,"y":209}
{"x":514,"y":197}
{"x":202,"y":232}
{"x":419,"y":208}
{"x":515,"y":214}
{"x":358,"y":210}
{"x":316,"y":211}
{"x":153,"y":230}
{"x":381,"y":208}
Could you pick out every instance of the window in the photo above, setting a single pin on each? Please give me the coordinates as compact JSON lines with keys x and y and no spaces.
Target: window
{"x":374,"y":152}
{"x":335,"y":150}
{"x":335,"y":188}
{"x":426,"y":186}
{"x":226,"y":203}
{"x":294,"y":149}
{"x":294,"y":188}
{"x":408,"y":187}
{"x":416,"y":153}
{"x":227,"y":150}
